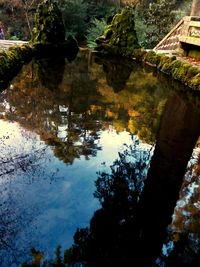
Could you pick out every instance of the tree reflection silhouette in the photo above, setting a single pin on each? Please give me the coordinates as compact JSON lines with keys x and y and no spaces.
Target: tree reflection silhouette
{"x":124,"y":231}
{"x":57,"y":106}
{"x":49,"y":71}
{"x":117,"y":72}
{"x":131,"y":227}
{"x":109,"y":239}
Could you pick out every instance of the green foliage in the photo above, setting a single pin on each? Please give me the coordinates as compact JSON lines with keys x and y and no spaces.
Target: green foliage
{"x":95,"y":30}
{"x":101,"y":9}
{"x":12,"y":59}
{"x":17,"y":16}
{"x":179,"y":70}
{"x":49,"y":27}
{"x":80,"y":17}
{"x":158,"y":19}
{"x":120,"y":36}
{"x":154,"y":20}
{"x":14,"y":37}
{"x":140,"y":27}
{"x":182,"y":8}
{"x":75,"y":17}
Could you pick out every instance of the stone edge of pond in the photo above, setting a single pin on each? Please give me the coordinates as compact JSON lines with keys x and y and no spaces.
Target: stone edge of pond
{"x":12,"y":59}
{"x":180,"y":70}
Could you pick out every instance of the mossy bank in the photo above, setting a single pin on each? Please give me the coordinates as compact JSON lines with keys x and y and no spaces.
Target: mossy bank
{"x":12,"y":60}
{"x":120,"y":39}
{"x":177,"y":68}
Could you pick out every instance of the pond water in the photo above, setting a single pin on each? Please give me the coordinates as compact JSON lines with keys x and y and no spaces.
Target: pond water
{"x":63,"y":125}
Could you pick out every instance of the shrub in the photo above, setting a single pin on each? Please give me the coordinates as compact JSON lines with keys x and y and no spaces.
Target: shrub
{"x":95,"y":30}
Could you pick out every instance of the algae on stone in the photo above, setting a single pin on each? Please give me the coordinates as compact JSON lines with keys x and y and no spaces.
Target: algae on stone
{"x":49,"y":27}
{"x":120,"y":36}
{"x":12,"y":60}
{"x":178,"y":69}
{"x":48,"y":37}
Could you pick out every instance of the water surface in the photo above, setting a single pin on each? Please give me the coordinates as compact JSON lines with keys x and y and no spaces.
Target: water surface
{"x":61,"y":123}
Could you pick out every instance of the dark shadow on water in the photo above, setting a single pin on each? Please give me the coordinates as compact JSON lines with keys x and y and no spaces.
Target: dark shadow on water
{"x":179,"y":131}
{"x":49,"y":71}
{"x":128,"y":232}
{"x":139,"y":194}
{"x":117,"y":72}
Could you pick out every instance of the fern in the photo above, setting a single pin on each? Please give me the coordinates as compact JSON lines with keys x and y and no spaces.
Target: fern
{"x":95,"y":30}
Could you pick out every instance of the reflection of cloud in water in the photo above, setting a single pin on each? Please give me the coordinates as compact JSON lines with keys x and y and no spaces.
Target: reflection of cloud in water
{"x":44,"y":200}
{"x":114,"y":142}
{"x":185,"y":227}
{"x":20,"y":150}
{"x":21,"y":154}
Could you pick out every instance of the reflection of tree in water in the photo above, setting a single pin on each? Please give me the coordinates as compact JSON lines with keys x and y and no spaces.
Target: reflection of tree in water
{"x":109,"y":239}
{"x":184,"y":231}
{"x":137,"y":230}
{"x":68,"y":110}
{"x":61,"y":115}
{"x":13,"y":220}
{"x":139,"y":106}
{"x":117,"y":72}
{"x":114,"y":237}
{"x":49,"y":71}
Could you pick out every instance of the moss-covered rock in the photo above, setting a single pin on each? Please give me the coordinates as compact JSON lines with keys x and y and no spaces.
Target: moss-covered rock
{"x":178,"y":69}
{"x":119,"y":38}
{"x":152,"y":58}
{"x":194,"y":82}
{"x":49,"y":27}
{"x":12,"y":60}
{"x":48,"y":36}
{"x":181,"y":72}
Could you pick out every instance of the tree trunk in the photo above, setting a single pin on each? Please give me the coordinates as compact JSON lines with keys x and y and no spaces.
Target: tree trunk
{"x":195,"y":11}
{"x":28,"y":23}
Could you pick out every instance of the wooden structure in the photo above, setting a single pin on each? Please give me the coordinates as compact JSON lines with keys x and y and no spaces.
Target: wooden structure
{"x":185,"y":36}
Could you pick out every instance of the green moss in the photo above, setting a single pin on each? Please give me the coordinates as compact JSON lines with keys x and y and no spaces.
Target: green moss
{"x":120,"y":36}
{"x":194,"y":82}
{"x":166,"y":64}
{"x":108,"y":33}
{"x":49,"y":27}
{"x":176,"y":64}
{"x":192,"y":71}
{"x":181,"y":72}
{"x":12,"y":59}
{"x":152,"y":58}
{"x":163,"y":60}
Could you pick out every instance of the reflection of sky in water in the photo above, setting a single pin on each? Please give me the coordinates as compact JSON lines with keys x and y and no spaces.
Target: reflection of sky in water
{"x":47,"y":198}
